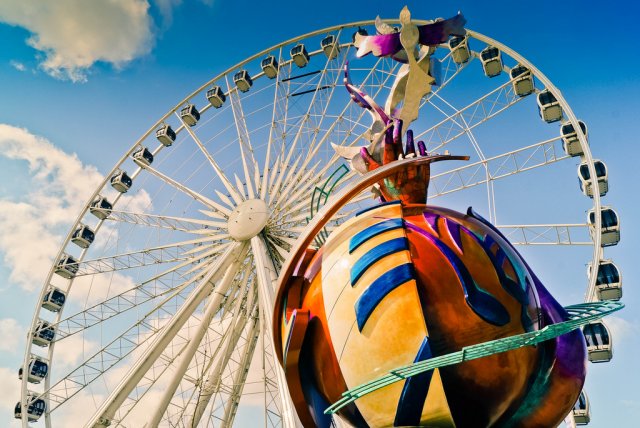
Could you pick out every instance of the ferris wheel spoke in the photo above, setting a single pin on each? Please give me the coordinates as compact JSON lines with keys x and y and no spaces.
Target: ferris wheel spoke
{"x":311,"y":120}
{"x":180,"y":224}
{"x":266,"y":279}
{"x":244,"y":142}
{"x":299,"y":183}
{"x":547,"y":234}
{"x":107,"y":410}
{"x":152,"y":288}
{"x":195,"y":195}
{"x":170,"y":253}
{"x":216,"y":168}
{"x":185,"y":401}
{"x":213,"y":383}
{"x":534,"y":156}
{"x":111,"y":354}
{"x":265,"y":172}
{"x":240,"y":376}
{"x":285,"y":169}
{"x":474,"y":114}
{"x":187,"y":355}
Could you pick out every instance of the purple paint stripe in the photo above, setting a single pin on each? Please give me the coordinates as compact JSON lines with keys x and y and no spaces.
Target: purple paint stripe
{"x":454,"y":231}
{"x":432,"y":220}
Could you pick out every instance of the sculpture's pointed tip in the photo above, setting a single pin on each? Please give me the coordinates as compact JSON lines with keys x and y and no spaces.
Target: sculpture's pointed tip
{"x":405,"y":16}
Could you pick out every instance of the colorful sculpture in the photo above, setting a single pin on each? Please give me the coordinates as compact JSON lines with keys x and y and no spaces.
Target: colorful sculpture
{"x":405,"y":282}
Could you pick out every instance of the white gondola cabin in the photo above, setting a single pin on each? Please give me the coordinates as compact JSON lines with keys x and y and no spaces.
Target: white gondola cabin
{"x":330,"y":46}
{"x":570,"y":141}
{"x":243,"y":80}
{"x":491,"y":61}
{"x":216,"y":96}
{"x":190,"y":115}
{"x":166,"y":135}
{"x":83,"y":236}
{"x":101,"y":207}
{"x":608,"y":280}
{"x":610,"y":230}
{"x":548,"y":107}
{"x":581,"y":411}
{"x":43,"y":334}
{"x":38,"y":370}
{"x":598,"y":339}
{"x":585,"y":178}
{"x":121,"y":181}
{"x":459,"y":49}
{"x":269,"y":66}
{"x":142,"y":156}
{"x":67,"y":266}
{"x":522,"y":80}
{"x":54,"y":299}
{"x":299,"y":55}
{"x":35,"y":408}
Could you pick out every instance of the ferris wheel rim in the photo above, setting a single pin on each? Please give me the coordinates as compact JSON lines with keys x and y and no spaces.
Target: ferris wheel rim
{"x":548,"y":85}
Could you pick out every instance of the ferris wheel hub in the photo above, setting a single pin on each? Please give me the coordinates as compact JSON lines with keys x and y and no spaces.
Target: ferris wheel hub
{"x":248,"y":219}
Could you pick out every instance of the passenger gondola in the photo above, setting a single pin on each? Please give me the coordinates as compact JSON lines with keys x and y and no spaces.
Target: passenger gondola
{"x":54,"y":299}
{"x":243,"y":80}
{"x":269,"y":66}
{"x":584,"y":176}
{"x":216,"y":96}
{"x":143,"y":157}
{"x":570,"y":141}
{"x":43,"y":334}
{"x":522,"y":80}
{"x":459,"y":49}
{"x":101,"y":207}
{"x":38,"y":370}
{"x":330,"y":46}
{"x":67,"y":266}
{"x":190,"y":115}
{"x":83,"y":236}
{"x":121,"y":181}
{"x":548,"y":107}
{"x":491,"y":61}
{"x":581,"y":412}
{"x":608,"y":280}
{"x":35,"y":408}
{"x":610,"y":226}
{"x":599,"y":347}
{"x":165,"y":135}
{"x":299,"y":55}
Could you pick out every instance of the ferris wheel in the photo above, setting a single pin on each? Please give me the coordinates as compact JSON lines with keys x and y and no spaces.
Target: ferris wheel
{"x":157,"y":309}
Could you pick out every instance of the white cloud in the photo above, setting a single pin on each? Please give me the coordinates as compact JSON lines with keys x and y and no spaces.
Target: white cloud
{"x":75,"y":34}
{"x":621,"y":328}
{"x":10,"y":391}
{"x":18,"y":65}
{"x":34,"y":223}
{"x":166,"y":10}
{"x":8,"y":329}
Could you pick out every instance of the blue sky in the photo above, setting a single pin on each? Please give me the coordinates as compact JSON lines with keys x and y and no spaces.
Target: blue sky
{"x":86,"y":103}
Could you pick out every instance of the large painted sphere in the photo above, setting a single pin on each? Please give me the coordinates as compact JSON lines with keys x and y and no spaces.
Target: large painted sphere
{"x":400,"y":284}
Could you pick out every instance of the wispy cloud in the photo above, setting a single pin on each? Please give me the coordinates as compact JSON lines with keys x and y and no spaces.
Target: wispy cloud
{"x":75,"y":34}
{"x":33,"y":224}
{"x":18,"y":65}
{"x":8,"y":329}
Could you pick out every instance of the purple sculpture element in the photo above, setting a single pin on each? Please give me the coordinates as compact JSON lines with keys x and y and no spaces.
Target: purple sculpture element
{"x":429,"y":34}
